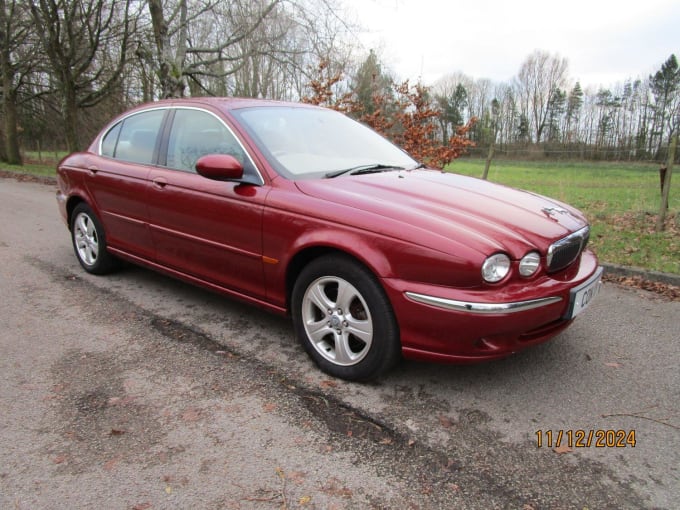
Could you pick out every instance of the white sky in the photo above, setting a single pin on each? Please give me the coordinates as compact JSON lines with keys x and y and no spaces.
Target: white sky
{"x":605,"y":41}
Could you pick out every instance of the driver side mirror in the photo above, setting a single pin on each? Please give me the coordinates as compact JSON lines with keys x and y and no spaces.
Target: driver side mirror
{"x":219,"y":167}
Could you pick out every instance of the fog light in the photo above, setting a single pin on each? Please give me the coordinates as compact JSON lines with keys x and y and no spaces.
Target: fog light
{"x":529,"y":264}
{"x":496,"y":267}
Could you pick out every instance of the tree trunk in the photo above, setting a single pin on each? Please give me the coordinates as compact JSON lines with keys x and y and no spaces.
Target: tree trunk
{"x":489,"y":157}
{"x":12,"y":152}
{"x":9,"y":97}
{"x":170,"y":69}
{"x":70,"y":111}
{"x":3,"y":155}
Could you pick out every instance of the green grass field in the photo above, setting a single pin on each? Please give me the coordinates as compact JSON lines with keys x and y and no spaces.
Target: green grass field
{"x":621,"y":201}
{"x":42,"y":164}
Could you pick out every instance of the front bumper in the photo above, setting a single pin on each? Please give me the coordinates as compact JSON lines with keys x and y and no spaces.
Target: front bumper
{"x":454,"y":325}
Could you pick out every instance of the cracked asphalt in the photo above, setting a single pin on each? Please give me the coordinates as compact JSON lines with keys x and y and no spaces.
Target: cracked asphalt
{"x":136,"y":391}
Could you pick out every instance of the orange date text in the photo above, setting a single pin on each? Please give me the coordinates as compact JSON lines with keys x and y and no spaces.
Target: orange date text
{"x":578,"y":438}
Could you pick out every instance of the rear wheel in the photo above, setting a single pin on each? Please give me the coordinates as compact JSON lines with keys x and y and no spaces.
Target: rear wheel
{"x":89,"y":242}
{"x":344,"y":319}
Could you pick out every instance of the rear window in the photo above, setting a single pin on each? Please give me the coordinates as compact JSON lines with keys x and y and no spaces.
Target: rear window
{"x":134,"y":139}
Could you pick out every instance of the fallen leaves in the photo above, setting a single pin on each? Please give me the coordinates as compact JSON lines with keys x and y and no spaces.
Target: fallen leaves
{"x":120,"y":401}
{"x":192,"y":414}
{"x":562,"y":449}
{"x":335,"y":487}
{"x":111,"y":464}
{"x":445,"y":422}
{"x":668,"y":291}
{"x":25,"y":177}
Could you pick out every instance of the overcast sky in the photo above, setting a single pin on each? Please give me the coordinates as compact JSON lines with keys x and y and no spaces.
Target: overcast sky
{"x":605,"y":41}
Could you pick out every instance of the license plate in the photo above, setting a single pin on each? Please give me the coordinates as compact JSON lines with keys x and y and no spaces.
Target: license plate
{"x":584,"y":294}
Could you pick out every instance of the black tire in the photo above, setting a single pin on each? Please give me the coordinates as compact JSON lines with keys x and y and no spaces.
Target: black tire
{"x":356,"y":337}
{"x":89,"y":242}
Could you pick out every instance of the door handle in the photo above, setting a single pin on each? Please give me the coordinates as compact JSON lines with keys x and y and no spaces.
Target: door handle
{"x":159,"y":182}
{"x":92,"y":169}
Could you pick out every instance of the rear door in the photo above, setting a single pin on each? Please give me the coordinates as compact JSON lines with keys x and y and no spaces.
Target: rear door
{"x":207,"y":229}
{"x":118,"y":181}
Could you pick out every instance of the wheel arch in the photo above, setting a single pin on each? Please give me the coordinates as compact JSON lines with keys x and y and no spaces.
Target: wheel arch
{"x":309,"y":253}
{"x":73,"y":202}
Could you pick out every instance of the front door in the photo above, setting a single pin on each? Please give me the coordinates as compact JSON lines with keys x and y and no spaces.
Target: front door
{"x":206,"y":229}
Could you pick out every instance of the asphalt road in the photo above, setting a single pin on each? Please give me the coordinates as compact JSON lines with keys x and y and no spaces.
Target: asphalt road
{"x":138,"y":391}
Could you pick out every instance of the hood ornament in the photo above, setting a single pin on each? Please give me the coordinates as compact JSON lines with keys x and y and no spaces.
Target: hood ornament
{"x":552,"y":212}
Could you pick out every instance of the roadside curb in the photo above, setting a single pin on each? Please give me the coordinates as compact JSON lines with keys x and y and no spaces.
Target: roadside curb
{"x":652,"y":276}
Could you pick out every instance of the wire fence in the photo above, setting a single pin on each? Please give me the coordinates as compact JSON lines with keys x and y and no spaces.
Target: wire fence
{"x":584,"y":153}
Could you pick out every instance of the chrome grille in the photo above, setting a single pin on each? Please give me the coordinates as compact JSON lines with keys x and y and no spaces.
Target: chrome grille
{"x":565,"y":251}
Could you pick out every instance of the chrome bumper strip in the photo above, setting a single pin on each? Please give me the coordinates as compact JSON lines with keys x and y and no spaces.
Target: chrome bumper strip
{"x":482,"y":308}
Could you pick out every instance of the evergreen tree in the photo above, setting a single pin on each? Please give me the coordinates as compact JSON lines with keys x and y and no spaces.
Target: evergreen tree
{"x":452,"y":108}
{"x":556,"y":107}
{"x":369,"y":82}
{"x":523,"y":129}
{"x":573,"y":114}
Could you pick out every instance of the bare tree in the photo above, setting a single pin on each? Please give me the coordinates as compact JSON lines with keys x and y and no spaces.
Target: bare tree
{"x":181,"y":56}
{"x":283,"y":54}
{"x":265,"y":56}
{"x":539,"y":77}
{"x":78,"y":37}
{"x":665,"y":86}
{"x":15,"y":64}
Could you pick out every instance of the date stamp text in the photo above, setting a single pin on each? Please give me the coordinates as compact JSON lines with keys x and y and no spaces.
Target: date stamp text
{"x":599,"y":438}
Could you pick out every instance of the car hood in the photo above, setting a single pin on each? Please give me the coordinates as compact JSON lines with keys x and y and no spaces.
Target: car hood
{"x":440,"y":210}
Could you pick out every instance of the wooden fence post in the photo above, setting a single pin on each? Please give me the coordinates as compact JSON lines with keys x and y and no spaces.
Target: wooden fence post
{"x":489,"y":157}
{"x":666,"y":185}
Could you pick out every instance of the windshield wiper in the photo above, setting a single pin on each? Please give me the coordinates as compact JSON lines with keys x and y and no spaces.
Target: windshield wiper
{"x":363,"y":169}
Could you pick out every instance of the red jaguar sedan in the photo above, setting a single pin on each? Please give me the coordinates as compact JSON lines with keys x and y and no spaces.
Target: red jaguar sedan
{"x":303,"y":211}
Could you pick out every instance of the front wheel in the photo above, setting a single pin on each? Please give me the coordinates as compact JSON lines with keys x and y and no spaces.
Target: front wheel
{"x":344,"y":319}
{"x":89,"y":241}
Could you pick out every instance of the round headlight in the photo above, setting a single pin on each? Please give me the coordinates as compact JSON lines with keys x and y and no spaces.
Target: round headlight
{"x":529,"y":263}
{"x":496,"y":267}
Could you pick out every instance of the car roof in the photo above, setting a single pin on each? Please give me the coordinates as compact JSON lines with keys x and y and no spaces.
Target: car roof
{"x":223,"y":103}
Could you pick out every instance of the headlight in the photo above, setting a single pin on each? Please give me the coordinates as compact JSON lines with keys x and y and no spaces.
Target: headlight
{"x":529,"y":263}
{"x":496,"y":267}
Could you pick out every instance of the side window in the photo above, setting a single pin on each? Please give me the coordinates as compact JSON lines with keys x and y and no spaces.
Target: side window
{"x":110,"y":139}
{"x":196,"y":133}
{"x":137,"y":138}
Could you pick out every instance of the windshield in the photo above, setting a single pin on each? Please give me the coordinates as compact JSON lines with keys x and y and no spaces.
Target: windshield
{"x":302,"y":142}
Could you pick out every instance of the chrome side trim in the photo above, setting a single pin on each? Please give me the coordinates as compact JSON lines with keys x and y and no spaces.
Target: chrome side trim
{"x":482,"y":308}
